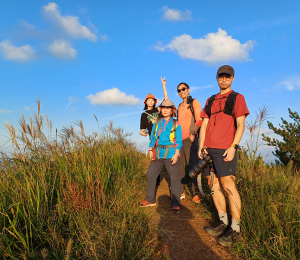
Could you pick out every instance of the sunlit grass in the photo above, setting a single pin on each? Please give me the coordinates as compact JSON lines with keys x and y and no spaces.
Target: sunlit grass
{"x":271,"y":202}
{"x":66,"y":195}
{"x":271,"y":210}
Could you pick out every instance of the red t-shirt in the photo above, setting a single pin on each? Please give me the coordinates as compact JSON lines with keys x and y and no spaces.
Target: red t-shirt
{"x":220,"y":129}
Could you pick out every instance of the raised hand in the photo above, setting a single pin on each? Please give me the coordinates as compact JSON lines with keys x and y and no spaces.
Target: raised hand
{"x":163,"y":82}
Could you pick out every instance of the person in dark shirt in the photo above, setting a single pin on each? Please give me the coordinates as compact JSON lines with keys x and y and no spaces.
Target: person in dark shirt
{"x":149,"y":116}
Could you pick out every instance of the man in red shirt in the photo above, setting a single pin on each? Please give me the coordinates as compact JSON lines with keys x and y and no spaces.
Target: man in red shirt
{"x":222,"y":129}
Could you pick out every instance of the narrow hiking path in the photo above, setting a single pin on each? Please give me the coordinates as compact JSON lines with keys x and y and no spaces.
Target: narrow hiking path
{"x":182,"y":235}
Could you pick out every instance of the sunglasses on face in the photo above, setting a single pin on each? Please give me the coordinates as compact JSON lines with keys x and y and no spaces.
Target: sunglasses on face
{"x":179,"y":90}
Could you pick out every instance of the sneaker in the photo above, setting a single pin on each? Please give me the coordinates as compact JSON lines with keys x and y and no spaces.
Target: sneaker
{"x":196,"y":199}
{"x":145,"y":203}
{"x":228,"y":238}
{"x":182,"y":197}
{"x":216,"y":229}
{"x":175,"y":209}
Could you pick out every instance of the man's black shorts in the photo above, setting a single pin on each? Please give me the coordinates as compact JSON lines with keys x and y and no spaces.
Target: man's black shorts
{"x":221,"y":168}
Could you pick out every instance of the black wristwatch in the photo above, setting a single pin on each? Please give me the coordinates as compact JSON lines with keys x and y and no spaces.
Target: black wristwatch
{"x":194,"y":132}
{"x":235,"y":146}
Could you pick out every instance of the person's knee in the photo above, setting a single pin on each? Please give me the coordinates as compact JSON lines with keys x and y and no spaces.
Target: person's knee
{"x":228,"y":184}
{"x":214,"y":182}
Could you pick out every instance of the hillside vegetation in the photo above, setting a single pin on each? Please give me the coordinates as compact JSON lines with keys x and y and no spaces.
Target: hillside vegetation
{"x":66,"y":195}
{"x":72,"y":196}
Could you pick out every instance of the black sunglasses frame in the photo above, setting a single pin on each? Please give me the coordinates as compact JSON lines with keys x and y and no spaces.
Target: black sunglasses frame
{"x":183,"y":89}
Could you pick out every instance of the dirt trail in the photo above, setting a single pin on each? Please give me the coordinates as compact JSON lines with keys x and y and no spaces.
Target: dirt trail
{"x":183,"y":236}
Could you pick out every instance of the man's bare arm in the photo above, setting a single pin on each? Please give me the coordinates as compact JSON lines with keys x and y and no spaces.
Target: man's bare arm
{"x":202,"y":136}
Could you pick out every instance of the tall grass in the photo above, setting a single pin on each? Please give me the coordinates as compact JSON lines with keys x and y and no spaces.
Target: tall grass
{"x":271,"y":210}
{"x":271,"y":203}
{"x":66,"y":195}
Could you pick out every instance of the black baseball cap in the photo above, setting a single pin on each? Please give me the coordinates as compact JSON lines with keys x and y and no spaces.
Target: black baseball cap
{"x":226,"y":69}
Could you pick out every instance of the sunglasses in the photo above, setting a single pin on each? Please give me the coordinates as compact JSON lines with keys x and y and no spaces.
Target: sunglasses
{"x":179,"y":90}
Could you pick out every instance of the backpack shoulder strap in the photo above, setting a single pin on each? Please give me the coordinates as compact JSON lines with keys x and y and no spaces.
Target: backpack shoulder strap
{"x":173,"y":125}
{"x":192,"y":109}
{"x":177,"y":110}
{"x":230,"y":104}
{"x":173,"y":130}
{"x":156,"y":125}
{"x":209,"y":104}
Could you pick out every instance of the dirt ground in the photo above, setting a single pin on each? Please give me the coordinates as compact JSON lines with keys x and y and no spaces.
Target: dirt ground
{"x":183,"y":236}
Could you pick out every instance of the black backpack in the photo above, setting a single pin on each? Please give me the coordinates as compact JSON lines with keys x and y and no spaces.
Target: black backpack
{"x":228,"y":108}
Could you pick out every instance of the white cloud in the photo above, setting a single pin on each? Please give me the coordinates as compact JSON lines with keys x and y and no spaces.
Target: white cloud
{"x":69,"y":24}
{"x":271,"y":23}
{"x":214,"y":47}
{"x":176,"y":15}
{"x":23,"y":53}
{"x":197,"y":88}
{"x":2,"y":111}
{"x":26,"y":30}
{"x":28,"y":26}
{"x":62,"y":49}
{"x":104,"y":38}
{"x":27,"y":108}
{"x":159,"y":46}
{"x":73,"y":98}
{"x":113,"y":97}
{"x":291,"y":83}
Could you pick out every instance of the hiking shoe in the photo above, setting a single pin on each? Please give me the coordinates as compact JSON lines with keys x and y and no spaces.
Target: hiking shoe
{"x":196,"y":199}
{"x":228,"y":238}
{"x":175,"y":209}
{"x":182,"y":197}
{"x":216,"y":229}
{"x":145,"y":203}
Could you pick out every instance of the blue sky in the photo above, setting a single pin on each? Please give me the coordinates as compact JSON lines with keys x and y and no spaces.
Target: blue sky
{"x":103,"y":57}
